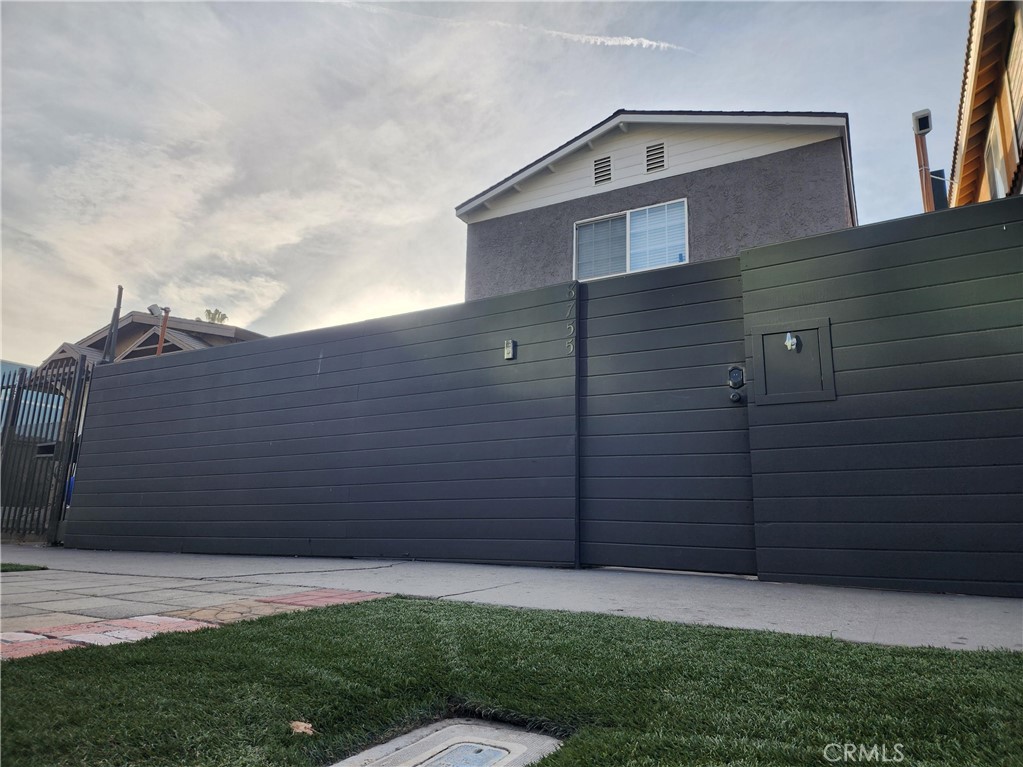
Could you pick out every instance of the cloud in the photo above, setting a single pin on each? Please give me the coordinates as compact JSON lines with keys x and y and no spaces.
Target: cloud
{"x":297,"y":165}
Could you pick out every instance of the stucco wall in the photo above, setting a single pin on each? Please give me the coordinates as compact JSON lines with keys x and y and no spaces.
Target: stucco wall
{"x":779,"y":197}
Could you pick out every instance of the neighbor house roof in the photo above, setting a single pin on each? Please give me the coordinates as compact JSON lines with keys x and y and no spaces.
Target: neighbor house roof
{"x":145,"y":345}
{"x":73,"y":351}
{"x":138,"y":337}
{"x":621,"y":119}
{"x":175,"y":323}
{"x":984,"y":67}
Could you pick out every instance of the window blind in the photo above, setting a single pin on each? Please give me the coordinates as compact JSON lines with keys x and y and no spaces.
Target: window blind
{"x":600,"y":246}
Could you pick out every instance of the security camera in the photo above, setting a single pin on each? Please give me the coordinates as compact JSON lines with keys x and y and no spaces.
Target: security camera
{"x":155,"y":310}
{"x":922,"y":122}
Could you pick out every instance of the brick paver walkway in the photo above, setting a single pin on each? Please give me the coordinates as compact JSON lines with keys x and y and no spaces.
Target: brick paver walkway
{"x":21,"y":644}
{"x":242,"y":610}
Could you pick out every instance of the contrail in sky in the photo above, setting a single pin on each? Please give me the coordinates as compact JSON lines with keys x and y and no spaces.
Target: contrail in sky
{"x":611,"y":40}
{"x":617,"y":41}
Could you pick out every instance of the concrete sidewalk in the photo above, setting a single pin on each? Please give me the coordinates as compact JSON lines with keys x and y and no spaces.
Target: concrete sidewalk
{"x":84,"y":586}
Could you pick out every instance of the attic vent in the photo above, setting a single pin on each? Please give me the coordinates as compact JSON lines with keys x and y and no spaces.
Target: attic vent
{"x":602,"y":170}
{"x":655,"y":157}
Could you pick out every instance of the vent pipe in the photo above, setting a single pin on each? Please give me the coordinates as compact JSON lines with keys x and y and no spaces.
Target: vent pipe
{"x":163,"y":330}
{"x":110,"y":347}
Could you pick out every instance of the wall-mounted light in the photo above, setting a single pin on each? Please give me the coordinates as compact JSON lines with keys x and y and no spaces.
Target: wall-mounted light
{"x":509,"y":349}
{"x":793,"y":342}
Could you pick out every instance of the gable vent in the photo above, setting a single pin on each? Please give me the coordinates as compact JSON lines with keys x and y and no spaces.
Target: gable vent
{"x":655,"y":157}
{"x":602,"y":170}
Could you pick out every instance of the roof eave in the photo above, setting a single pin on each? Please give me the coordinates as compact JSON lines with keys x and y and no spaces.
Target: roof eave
{"x":977,"y":11}
{"x":985,"y":19}
{"x":177,"y":323}
{"x":69,"y":350}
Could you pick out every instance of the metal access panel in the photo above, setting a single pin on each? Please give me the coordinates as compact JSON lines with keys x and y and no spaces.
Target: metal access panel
{"x":793,"y":361}
{"x":664,"y":444}
{"x":467,"y":755}
{"x":909,"y":478}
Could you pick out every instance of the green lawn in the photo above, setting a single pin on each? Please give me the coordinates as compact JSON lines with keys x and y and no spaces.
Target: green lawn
{"x":11,"y":567}
{"x":624,"y":691}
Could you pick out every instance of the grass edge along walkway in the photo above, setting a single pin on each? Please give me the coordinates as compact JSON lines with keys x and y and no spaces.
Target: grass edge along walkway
{"x":13,"y":567}
{"x":626,"y":691}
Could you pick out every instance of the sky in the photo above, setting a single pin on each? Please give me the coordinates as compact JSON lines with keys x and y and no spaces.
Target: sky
{"x":297,"y":165}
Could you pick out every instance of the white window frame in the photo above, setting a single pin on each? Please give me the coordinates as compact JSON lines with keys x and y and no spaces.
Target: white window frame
{"x":628,"y":241}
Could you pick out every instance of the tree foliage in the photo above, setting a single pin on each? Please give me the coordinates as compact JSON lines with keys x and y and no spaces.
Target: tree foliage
{"x":214,"y":315}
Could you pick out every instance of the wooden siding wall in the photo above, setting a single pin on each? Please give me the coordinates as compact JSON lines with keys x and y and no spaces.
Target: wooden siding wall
{"x":664,"y":453}
{"x":409,"y":436}
{"x":912,"y":477}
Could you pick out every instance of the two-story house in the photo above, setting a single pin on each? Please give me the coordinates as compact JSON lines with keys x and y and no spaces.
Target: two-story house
{"x":645,"y":190}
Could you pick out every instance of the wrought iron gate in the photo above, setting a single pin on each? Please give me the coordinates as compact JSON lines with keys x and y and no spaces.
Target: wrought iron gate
{"x":42,"y":415}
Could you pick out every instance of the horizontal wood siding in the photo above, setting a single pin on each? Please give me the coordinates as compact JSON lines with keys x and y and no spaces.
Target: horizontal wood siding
{"x":664,"y":455}
{"x":687,"y":148}
{"x":912,"y":477}
{"x":408,"y":436}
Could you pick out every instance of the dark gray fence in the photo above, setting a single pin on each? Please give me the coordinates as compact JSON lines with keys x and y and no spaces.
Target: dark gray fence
{"x":911,"y":477}
{"x":409,"y":436}
{"x":664,"y":452}
{"x":882,"y":446}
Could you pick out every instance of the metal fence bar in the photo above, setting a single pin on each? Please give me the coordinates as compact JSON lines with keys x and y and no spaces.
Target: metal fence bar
{"x":44,"y":468}
{"x":65,"y":448}
{"x":40,"y":409}
{"x":14,"y":386}
{"x":26,"y":508}
{"x":35,"y":474}
{"x":26,"y":426}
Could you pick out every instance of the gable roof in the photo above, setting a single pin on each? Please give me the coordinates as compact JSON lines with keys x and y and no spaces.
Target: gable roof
{"x":173,"y":323}
{"x":74,"y":351}
{"x":142,"y":329}
{"x":149,"y":340}
{"x":621,"y":119}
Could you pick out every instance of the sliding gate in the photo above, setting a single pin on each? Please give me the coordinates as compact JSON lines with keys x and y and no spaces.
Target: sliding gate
{"x":663,"y":449}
